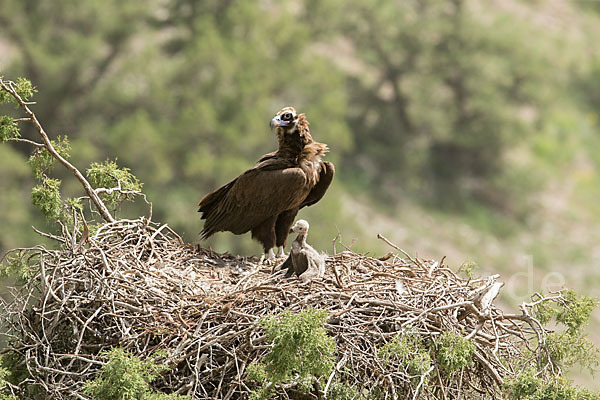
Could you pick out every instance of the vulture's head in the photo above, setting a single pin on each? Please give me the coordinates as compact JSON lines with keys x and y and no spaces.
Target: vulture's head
{"x":301,"y":227}
{"x":287,"y":121}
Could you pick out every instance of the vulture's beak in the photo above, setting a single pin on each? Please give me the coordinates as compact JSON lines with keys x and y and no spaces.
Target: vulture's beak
{"x":276,"y":122}
{"x":292,"y":229}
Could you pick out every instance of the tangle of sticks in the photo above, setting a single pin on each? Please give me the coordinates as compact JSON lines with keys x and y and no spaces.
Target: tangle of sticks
{"x":134,"y":284}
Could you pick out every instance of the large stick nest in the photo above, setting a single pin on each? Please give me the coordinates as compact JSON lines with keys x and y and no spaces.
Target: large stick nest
{"x":135,"y":285}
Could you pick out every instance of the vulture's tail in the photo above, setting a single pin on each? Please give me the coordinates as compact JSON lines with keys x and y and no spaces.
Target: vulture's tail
{"x":211,"y":211}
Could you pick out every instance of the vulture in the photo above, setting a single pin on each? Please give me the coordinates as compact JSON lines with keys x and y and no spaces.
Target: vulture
{"x":266,"y":198}
{"x":303,"y":260}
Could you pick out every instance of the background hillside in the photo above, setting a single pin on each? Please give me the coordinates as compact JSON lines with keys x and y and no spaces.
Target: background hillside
{"x":458,"y":128}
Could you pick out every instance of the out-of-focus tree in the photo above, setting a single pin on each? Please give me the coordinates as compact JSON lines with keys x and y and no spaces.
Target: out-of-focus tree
{"x":179,"y":91}
{"x":429,"y":98}
{"x":69,"y":49}
{"x":14,"y":200}
{"x":240,"y":62}
{"x":440,"y":91}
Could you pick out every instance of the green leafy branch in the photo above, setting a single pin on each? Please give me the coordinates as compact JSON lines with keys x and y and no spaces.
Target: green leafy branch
{"x":454,"y":352}
{"x":530,"y":386}
{"x":127,"y":377}
{"x":20,"y":92}
{"x":113,"y":184}
{"x":570,"y":345}
{"x":301,"y":355}
{"x":4,"y":384}
{"x":106,"y":184}
{"x":41,"y":160}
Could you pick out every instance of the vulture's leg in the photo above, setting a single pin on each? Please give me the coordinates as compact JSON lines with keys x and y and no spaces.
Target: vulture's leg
{"x":282,"y":229}
{"x":283,"y":265}
{"x":265,"y":234}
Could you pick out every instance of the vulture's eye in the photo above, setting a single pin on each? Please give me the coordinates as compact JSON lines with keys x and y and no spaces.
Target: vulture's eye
{"x":286,"y":116}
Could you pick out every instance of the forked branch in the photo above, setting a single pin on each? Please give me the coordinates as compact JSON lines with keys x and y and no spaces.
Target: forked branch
{"x":9,"y":87}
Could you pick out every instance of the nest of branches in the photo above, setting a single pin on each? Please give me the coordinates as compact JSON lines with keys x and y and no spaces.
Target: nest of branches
{"x":134,"y":284}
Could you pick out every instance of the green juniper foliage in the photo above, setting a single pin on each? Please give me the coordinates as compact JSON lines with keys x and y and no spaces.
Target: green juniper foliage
{"x":469,"y":267}
{"x":109,"y":175}
{"x":568,"y":349}
{"x":126,"y":377}
{"x":46,"y":196}
{"x":74,"y":203}
{"x":454,"y":352}
{"x":341,"y":391}
{"x":408,"y":351}
{"x":16,"y":372}
{"x":8,"y":128}
{"x":573,"y":312}
{"x":41,"y":161}
{"x":570,"y":346}
{"x":15,"y":265}
{"x":302,"y":351}
{"x":4,"y":373}
{"x":24,"y":89}
{"x":529,"y":386}
{"x":576,"y":311}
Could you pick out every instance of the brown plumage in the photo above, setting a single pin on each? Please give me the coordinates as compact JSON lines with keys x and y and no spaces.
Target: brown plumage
{"x":304,"y":261}
{"x":266,"y":198}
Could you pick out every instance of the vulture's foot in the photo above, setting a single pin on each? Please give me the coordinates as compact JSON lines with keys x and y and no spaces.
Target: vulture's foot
{"x":268,"y":258}
{"x":312,"y":273}
{"x":306,"y":278}
{"x":305,"y":282}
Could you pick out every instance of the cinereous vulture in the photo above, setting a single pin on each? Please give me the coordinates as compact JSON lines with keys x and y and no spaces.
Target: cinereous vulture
{"x":266,"y":198}
{"x":304,"y":261}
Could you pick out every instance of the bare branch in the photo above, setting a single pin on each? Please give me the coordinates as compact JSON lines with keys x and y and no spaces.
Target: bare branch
{"x":22,"y":140}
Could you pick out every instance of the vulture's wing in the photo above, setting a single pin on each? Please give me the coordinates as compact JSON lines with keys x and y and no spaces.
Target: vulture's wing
{"x":318,"y":191}
{"x":211,"y":200}
{"x":268,"y":156}
{"x":289,"y":265}
{"x":301,"y":262}
{"x":315,"y":264}
{"x":261,"y":192}
{"x":208,"y":201}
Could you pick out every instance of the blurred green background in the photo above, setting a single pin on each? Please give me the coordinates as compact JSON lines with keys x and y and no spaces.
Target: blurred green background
{"x":459,"y":128}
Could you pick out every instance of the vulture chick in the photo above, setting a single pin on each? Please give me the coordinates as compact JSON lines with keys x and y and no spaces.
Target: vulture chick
{"x":265,"y":199}
{"x":303,"y":260}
